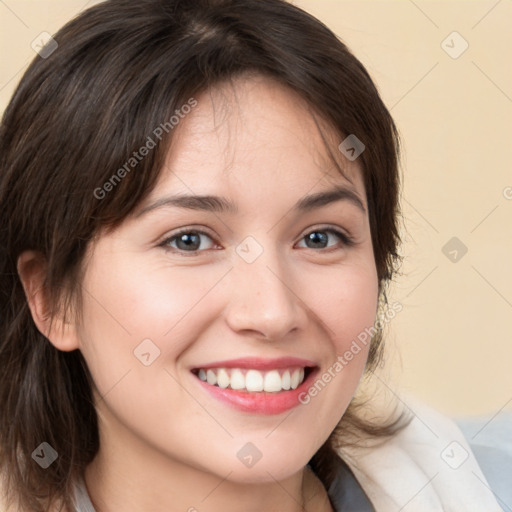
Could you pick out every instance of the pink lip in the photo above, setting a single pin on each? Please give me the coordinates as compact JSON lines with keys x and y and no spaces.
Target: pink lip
{"x":261,"y":402}
{"x":258,"y":363}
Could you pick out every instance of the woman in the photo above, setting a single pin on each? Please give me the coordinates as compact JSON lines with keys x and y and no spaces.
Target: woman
{"x":199,"y":206}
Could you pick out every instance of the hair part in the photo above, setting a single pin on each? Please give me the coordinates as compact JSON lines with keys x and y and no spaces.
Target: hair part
{"x":121,"y":70}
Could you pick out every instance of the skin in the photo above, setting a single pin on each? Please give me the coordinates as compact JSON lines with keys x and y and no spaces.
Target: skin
{"x":166,"y":444}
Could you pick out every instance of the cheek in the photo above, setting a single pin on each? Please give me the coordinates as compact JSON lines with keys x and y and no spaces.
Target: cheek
{"x":345,"y":302}
{"x":354,"y":325}
{"x":356,"y":313}
{"x":126,"y":304}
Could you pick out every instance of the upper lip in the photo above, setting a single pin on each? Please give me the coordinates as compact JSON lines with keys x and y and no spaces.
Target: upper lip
{"x":258,"y":363}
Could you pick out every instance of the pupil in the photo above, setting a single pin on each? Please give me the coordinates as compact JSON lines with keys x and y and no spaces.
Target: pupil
{"x":189,"y":241}
{"x":317,"y":238}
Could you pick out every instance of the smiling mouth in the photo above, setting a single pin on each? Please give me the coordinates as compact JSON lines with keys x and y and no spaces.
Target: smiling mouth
{"x":254,"y":381}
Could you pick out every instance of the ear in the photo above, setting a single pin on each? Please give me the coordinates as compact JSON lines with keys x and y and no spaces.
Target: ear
{"x":32,"y":270}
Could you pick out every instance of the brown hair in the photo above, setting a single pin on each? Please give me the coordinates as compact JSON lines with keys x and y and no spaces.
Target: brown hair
{"x":121,"y":69}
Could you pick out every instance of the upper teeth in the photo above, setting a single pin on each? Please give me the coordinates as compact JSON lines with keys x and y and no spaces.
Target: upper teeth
{"x":253,"y":380}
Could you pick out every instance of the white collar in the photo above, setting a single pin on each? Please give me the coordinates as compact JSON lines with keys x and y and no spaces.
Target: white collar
{"x":427,"y":467}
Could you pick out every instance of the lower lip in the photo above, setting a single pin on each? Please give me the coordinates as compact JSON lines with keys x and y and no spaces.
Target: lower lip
{"x":260,"y":402}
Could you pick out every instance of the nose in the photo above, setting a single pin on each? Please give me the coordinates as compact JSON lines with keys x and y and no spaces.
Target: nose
{"x":265,"y":299}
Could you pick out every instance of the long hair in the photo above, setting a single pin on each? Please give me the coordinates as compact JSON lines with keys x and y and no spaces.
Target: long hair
{"x":121,"y":69}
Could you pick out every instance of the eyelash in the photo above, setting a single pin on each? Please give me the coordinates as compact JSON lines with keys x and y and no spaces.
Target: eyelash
{"x":346,"y":240}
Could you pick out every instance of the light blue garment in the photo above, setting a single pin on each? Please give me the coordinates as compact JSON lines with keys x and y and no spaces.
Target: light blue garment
{"x":490,"y":438}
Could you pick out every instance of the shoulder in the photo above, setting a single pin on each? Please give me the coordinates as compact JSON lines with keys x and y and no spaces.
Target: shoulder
{"x":428,"y":466}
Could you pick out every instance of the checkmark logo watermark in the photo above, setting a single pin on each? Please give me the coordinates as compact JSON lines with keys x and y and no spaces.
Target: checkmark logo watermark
{"x":454,"y":249}
{"x":44,"y":45}
{"x":249,"y":455}
{"x":454,"y":45}
{"x":352,"y":147}
{"x":249,"y":249}
{"x":146,"y":352}
{"x":45,"y":455}
{"x":454,"y":455}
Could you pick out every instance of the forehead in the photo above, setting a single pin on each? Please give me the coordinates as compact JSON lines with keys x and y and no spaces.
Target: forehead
{"x":253,"y":135}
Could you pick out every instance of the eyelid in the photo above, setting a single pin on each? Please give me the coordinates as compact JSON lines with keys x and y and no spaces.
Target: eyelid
{"x":187,"y":229}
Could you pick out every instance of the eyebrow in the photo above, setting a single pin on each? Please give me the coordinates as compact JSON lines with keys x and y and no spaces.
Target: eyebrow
{"x":218,"y":204}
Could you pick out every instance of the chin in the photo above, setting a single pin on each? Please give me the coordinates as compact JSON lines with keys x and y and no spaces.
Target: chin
{"x":272,"y":462}
{"x":262,"y":474}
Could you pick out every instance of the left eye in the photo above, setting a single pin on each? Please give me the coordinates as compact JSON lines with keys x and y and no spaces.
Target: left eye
{"x":320,"y":239}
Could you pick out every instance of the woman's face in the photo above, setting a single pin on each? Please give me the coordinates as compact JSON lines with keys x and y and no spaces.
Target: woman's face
{"x":257,"y":294}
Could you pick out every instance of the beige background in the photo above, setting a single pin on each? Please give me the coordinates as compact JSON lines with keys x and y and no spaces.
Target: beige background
{"x":451,"y":345}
